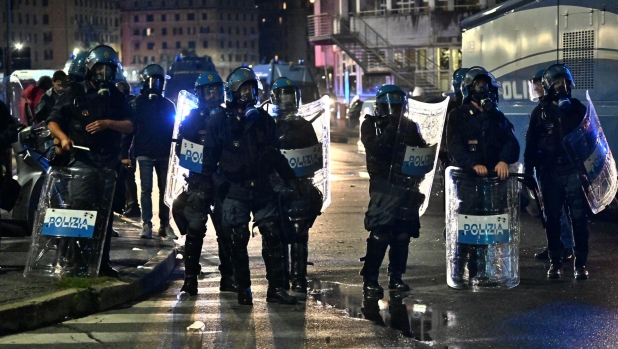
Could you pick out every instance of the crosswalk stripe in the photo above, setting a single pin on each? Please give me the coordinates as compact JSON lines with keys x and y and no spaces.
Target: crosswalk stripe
{"x":120,"y":337}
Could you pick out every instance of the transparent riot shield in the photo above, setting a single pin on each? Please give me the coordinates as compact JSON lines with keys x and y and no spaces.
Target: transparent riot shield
{"x":71,"y":222}
{"x":314,"y":161}
{"x":416,"y":147}
{"x":587,"y":149}
{"x":482,"y":230}
{"x":190,"y":153}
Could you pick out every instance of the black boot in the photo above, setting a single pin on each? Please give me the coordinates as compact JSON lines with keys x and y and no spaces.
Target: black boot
{"x":555,"y":267}
{"x":398,"y":258}
{"x":239,"y":238}
{"x":193,"y":251}
{"x":227,"y":283}
{"x":299,"y":253}
{"x":581,"y":257}
{"x":376,"y":248}
{"x":245,"y":297}
{"x":272,"y":252}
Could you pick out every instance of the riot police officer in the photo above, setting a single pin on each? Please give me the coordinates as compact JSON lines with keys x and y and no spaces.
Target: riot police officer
{"x":481,"y":139}
{"x":383,"y":219}
{"x":242,"y":144}
{"x":191,"y":208}
{"x":537,"y":94}
{"x":93,"y":114}
{"x":297,"y":212}
{"x":550,"y":122}
{"x":154,"y":121}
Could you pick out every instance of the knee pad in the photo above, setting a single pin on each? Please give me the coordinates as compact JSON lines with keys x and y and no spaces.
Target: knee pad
{"x":240,"y":236}
{"x":178,"y":207}
{"x":270,"y":233}
{"x":301,"y":232}
{"x":380,"y":236}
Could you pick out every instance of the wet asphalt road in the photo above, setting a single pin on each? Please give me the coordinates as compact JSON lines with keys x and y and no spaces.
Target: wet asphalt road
{"x":536,"y":314}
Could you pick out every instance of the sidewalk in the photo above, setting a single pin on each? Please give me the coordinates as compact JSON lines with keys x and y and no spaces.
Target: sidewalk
{"x":26,"y":304}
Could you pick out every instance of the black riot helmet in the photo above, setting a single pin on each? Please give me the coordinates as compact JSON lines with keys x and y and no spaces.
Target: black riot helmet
{"x":558,"y":82}
{"x":390,"y":100}
{"x":480,"y":86}
{"x":209,"y":89}
{"x":285,"y":95}
{"x":153,"y":80}
{"x":102,"y":64}
{"x":241,"y":88}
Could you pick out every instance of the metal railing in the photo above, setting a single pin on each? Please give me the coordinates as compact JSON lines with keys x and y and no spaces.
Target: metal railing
{"x":370,"y":50}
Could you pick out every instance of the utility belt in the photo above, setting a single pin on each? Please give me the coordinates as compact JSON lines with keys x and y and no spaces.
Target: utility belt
{"x":250,"y":189}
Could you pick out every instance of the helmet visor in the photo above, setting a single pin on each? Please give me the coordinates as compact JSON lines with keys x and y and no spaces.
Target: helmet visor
{"x":247,"y":93}
{"x":103,"y":72}
{"x":390,"y":104}
{"x":535,"y":89}
{"x":210,"y":95}
{"x":155,"y":83}
{"x":286,"y":98}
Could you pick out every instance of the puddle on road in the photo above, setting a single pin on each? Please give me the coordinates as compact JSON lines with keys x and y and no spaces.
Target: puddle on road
{"x":399,"y":311}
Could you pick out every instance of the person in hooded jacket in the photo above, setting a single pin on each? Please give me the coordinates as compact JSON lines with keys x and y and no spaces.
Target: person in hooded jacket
{"x":154,"y":120}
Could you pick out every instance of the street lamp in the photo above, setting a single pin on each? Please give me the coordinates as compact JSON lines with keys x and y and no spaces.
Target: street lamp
{"x":19,"y":46}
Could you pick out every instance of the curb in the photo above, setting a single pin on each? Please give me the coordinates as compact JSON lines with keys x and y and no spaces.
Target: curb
{"x":71,"y":303}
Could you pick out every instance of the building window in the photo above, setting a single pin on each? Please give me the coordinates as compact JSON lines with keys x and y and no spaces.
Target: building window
{"x":229,"y":57}
{"x":163,"y":18}
{"x":136,"y":46}
{"x":191,"y":44}
{"x":237,"y":44}
{"x":223,"y":58}
{"x":163,"y":31}
{"x":152,"y":59}
{"x":229,"y":44}
{"x":252,"y":30}
{"x":244,"y":45}
{"x":204,"y":16}
{"x":45,"y":3}
{"x":229,"y":17}
{"x":45,"y":19}
{"x":47,"y":37}
{"x":252,"y":44}
{"x":179,"y":31}
{"x":149,"y":18}
{"x":177,"y":17}
{"x":205,"y":44}
{"x":164,"y":45}
{"x":190,"y":16}
{"x":174,"y":31}
{"x":145,"y":59}
{"x":151,"y":45}
{"x":222,"y":44}
{"x":177,"y":44}
{"x":135,"y":31}
{"x":136,"y":18}
{"x":229,"y":30}
{"x":244,"y":30}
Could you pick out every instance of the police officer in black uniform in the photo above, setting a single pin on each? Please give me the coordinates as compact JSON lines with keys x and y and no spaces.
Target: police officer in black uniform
{"x":191,"y":208}
{"x":479,"y":138}
{"x":383,"y":218}
{"x":297,"y":212}
{"x":242,"y":143}
{"x":93,"y":114}
{"x":560,"y":185}
{"x":537,"y":94}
